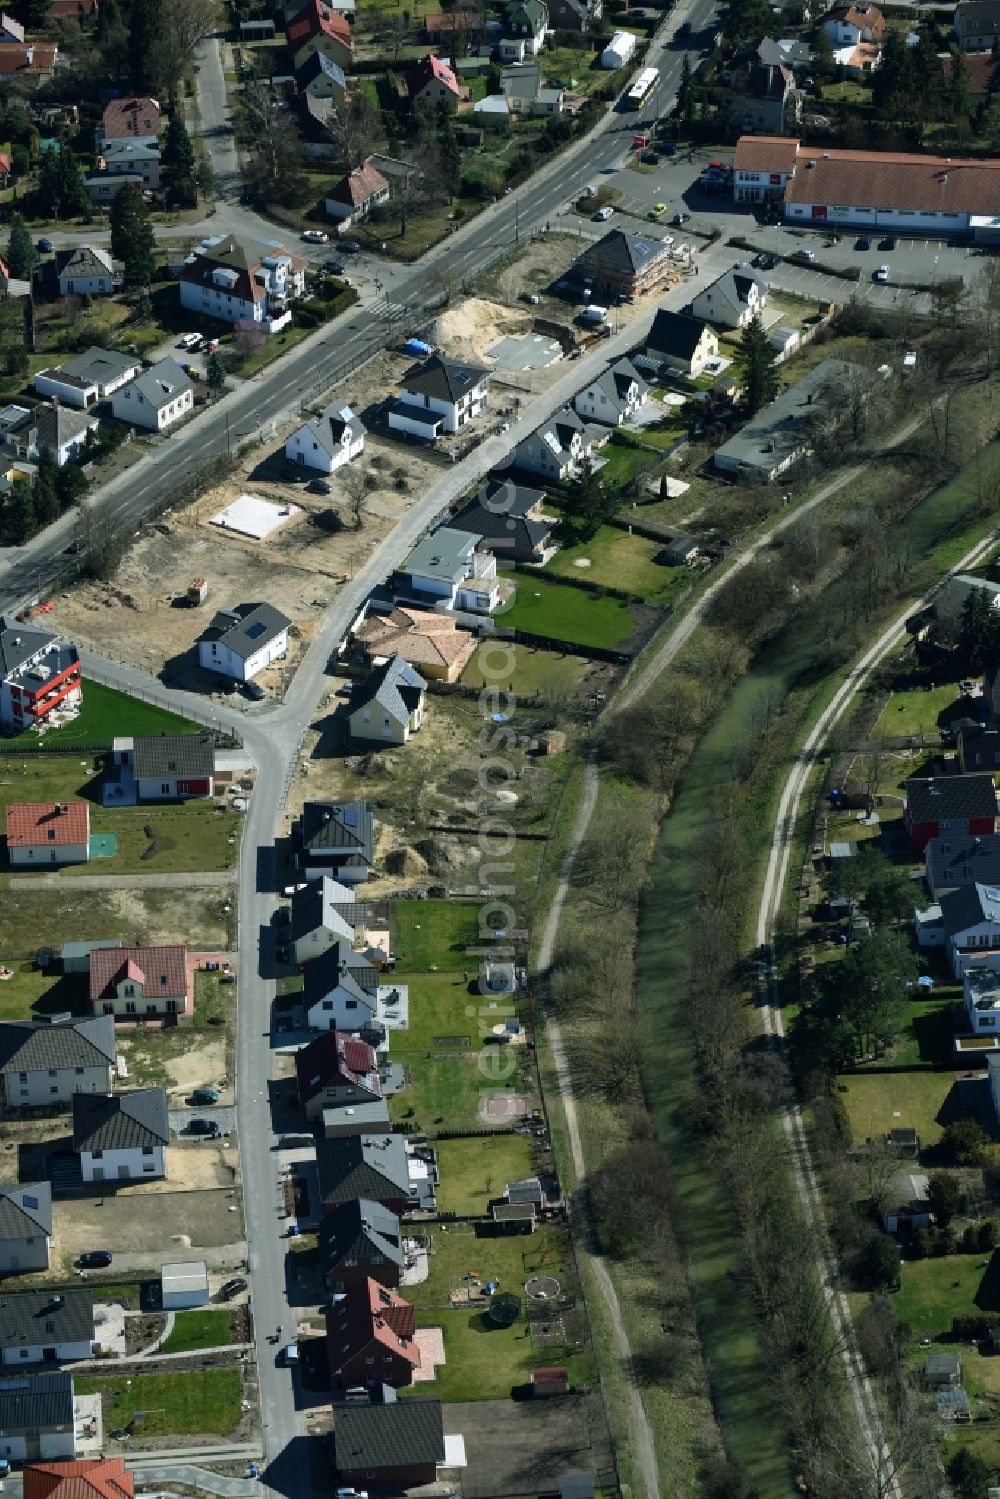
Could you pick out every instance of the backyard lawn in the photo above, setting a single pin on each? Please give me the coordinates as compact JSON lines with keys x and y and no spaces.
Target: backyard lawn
{"x":877,"y":1102}
{"x":484,"y":1362}
{"x":543,"y":607}
{"x":188,"y":835}
{"x":509,"y":1260}
{"x":434,"y":934}
{"x":535,"y":671}
{"x":928,"y":1033}
{"x":919,"y":710}
{"x":475,"y":1171}
{"x":621,"y":464}
{"x":936,"y":1291}
{"x":205,"y":1328}
{"x":104,"y":715}
{"x":203,"y":1402}
{"x":618,"y":560}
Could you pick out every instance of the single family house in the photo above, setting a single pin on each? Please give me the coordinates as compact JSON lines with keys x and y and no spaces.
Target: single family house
{"x":396,"y":1445}
{"x":433,"y":643}
{"x":89,"y":1477}
{"x":438,"y":396}
{"x":732,"y":300}
{"x":623,"y":264}
{"x":522,"y":30}
{"x":121,"y":1137}
{"x":91,"y":377}
{"x":432,"y":84}
{"x":681,"y":342}
{"x":37,"y":1421}
{"x":360,"y":1241}
{"x":43,"y":834}
{"x":451,"y":570}
{"x":370,"y":1338}
{"x":336,"y":1000}
{"x":52,"y":1327}
{"x":138,"y":983}
{"x":236,"y":279}
{"x":355,"y":196}
{"x":388,"y":706}
{"x":25,"y":1236}
{"x":241,"y":642}
{"x":165,"y":767}
{"x":45,"y":1062}
{"x":335,"y":1068}
{"x":130,"y":119}
{"x":317,"y":27}
{"x":327,"y":441}
{"x":949,"y":806}
{"x":558,"y":448}
{"x":50,"y":426}
{"x":958,"y":860}
{"x":87,"y":270}
{"x":614,"y":397}
{"x":156,"y":399}
{"x":335,"y":838}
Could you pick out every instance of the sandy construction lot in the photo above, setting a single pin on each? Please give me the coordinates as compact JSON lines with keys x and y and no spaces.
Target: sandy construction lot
{"x":141,"y":617}
{"x":167,"y":1222}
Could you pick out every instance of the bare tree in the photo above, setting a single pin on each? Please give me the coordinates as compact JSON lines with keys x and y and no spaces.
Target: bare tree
{"x":358,"y":484}
{"x":873,"y":765}
{"x":186,"y":24}
{"x":270,"y":140}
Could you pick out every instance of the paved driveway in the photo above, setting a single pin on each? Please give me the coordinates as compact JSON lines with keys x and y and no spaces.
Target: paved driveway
{"x":181,"y":1118}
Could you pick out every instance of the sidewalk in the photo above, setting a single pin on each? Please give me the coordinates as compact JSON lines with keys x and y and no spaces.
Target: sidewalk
{"x":199,"y":877}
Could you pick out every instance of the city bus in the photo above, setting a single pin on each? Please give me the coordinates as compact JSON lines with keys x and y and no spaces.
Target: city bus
{"x":643,"y":87}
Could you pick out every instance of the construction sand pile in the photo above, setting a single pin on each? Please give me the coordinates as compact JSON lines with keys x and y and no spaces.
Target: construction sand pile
{"x":470,"y":327}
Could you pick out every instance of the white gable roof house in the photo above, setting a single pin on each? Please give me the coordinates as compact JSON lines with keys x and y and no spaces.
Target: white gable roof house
{"x":614,"y":397}
{"x":87,"y":269}
{"x":51,"y":426}
{"x":157,"y":399}
{"x":731,"y":301}
{"x":558,"y":448}
{"x":328,"y":440}
{"x":89,"y":378}
{"x":354,"y":196}
{"x":439,"y":395}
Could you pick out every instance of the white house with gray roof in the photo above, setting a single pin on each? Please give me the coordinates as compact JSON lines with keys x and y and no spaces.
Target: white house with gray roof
{"x":970,"y":917}
{"x":87,"y":270}
{"x":560,"y":446}
{"x":451,"y":571}
{"x":46,"y":1327}
{"x":388,"y":706}
{"x":732,"y":300}
{"x":91,"y":377}
{"x":318,"y":921}
{"x":337,"y":1002}
{"x":62,"y":431}
{"x":335,"y":839}
{"x":782,"y":433}
{"x":328,"y":440}
{"x":439,"y":396}
{"x":242,"y":641}
{"x":614,"y":397}
{"x":121,"y":1136}
{"x":25,"y":1230}
{"x":156,"y":399}
{"x":46,"y":1062}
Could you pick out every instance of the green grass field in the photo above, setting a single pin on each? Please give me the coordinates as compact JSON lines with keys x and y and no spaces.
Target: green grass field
{"x":544,"y":607}
{"x":509,"y":1260}
{"x":105,"y":715}
{"x":203,"y":1402}
{"x":206,"y":1328}
{"x":475,"y":1171}
{"x":621,"y":464}
{"x":618,"y":560}
{"x":877,"y":1102}
{"x":535,"y":671}
{"x":190,"y":835}
{"x":917,"y":711}
{"x":936,"y":1291}
{"x":434,"y":934}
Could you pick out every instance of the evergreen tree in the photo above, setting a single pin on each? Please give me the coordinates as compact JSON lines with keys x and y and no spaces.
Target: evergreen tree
{"x":451,"y":155}
{"x":19,"y":517}
{"x":71,"y":485}
{"x":978,"y":631}
{"x":179,"y":165}
{"x":959,"y":88}
{"x":589,"y":503}
{"x":45,"y":496}
{"x":132,"y":235}
{"x":110,"y":25}
{"x":49,"y":186}
{"x":745,"y":20}
{"x":22,"y":257}
{"x":74,"y":200}
{"x":760,"y":377}
{"x":145,"y":35}
{"x":685,"y":91}
{"x":215,"y":375}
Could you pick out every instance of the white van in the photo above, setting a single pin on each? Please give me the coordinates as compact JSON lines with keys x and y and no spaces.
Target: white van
{"x":292,"y":1354}
{"x":189,"y":341}
{"x":593,"y":314}
{"x":603,"y":214}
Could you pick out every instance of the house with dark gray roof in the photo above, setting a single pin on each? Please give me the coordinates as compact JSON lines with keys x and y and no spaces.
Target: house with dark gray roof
{"x":121,"y":1136}
{"x":559,"y":447}
{"x":164,"y":767}
{"x":36,"y":1418}
{"x":91,"y":377}
{"x":388,"y":706}
{"x":46,"y":1327}
{"x":396,"y":1444}
{"x":358,"y":1240}
{"x":614,"y":397}
{"x":25,"y":1228}
{"x":242,"y":641}
{"x":948,"y":806}
{"x":335,"y":1068}
{"x":335,"y":838}
{"x":783,"y":432}
{"x":385,"y":1168}
{"x":510,"y":519}
{"x":439,"y":395}
{"x":87,"y":270}
{"x":683,"y":343}
{"x":340,"y":997}
{"x":623,"y":264}
{"x":56,"y":428}
{"x":957,"y":859}
{"x":732,"y":300}
{"x":970,"y":919}
{"x":48,"y":1061}
{"x":328,"y":440}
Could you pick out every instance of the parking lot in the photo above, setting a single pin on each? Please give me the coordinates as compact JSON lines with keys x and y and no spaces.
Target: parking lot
{"x":914,"y":263}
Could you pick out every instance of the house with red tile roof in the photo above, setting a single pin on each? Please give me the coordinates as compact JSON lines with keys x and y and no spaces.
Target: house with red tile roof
{"x":139,"y":983}
{"x":82,"y":11}
{"x":43,"y":834}
{"x":87,"y":1478}
{"x":432,"y":82}
{"x":336,"y":1068}
{"x":136,"y":119}
{"x":234,"y":279}
{"x":848,"y":24}
{"x":317,"y":28}
{"x":370,"y":1338}
{"x":28,"y":60}
{"x":354,"y":196}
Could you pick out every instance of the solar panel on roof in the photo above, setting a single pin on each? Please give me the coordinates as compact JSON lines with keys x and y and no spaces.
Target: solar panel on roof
{"x":350,"y":817}
{"x":30,"y":1202}
{"x":461,"y":377}
{"x":257,"y":628}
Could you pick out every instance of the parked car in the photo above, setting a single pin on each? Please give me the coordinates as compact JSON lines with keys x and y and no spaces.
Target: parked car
{"x":94,"y":1259}
{"x":804,"y":255}
{"x":667,"y":148}
{"x":202,"y":1127}
{"x":680,"y":218}
{"x":335,"y":267}
{"x":319,"y":486}
{"x":45,"y":245}
{"x":350,"y":246}
{"x":657,"y":209}
{"x":316,"y":237}
{"x":254,"y":691}
{"x":603,"y":214}
{"x":205,"y":1095}
{"x":888,"y":242}
{"x":650,"y":158}
{"x":862,"y":242}
{"x":882,"y":274}
{"x":232,"y":1288}
{"x":189,"y":342}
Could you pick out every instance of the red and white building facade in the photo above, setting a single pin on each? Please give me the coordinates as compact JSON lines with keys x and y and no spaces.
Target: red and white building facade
{"x":38,"y":673}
